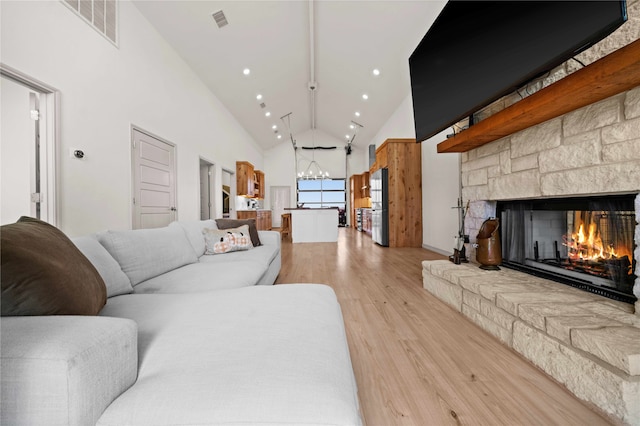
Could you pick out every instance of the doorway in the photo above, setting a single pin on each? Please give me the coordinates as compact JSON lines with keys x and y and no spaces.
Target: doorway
{"x":154,"y":180}
{"x":206,"y":188}
{"x":227,"y":190}
{"x":280,"y":199}
{"x":27,"y":148}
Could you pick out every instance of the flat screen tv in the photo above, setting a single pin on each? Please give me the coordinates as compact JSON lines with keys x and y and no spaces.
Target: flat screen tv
{"x":476,"y":52}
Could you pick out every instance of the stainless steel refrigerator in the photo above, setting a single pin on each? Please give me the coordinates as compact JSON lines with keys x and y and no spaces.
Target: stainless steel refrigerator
{"x":379,"y":181}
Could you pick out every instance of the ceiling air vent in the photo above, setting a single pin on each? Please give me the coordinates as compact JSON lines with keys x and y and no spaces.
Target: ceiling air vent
{"x":101,"y":15}
{"x":220,"y":19}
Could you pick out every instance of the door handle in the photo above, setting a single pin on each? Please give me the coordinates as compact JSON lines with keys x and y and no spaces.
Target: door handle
{"x":173,"y":209}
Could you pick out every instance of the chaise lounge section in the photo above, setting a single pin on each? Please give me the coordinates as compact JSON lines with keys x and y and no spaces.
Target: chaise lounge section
{"x":199,"y":343}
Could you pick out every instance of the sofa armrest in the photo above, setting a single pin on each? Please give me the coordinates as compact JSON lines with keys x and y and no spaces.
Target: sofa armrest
{"x":64,"y":370}
{"x":270,"y":238}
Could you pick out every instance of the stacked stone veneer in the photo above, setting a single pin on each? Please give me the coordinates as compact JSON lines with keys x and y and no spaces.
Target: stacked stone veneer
{"x":586,"y":342}
{"x":593,"y":150}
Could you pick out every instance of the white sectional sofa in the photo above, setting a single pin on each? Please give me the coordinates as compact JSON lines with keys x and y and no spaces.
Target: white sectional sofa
{"x":184,"y":338}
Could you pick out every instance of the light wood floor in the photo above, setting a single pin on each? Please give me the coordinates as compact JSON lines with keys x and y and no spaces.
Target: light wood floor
{"x":416,"y":360}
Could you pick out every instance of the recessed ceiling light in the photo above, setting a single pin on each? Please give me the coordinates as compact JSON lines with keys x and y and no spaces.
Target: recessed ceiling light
{"x":365,"y":96}
{"x":279,"y":136}
{"x":267,"y":114}
{"x":357,"y":113}
{"x":246,"y":71}
{"x":351,"y":126}
{"x":376,"y":72}
{"x":274,"y":127}
{"x":347,"y":136}
{"x":258,"y":96}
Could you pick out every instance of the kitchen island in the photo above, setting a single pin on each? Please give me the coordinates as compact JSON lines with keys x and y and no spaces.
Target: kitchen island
{"x":314,"y":225}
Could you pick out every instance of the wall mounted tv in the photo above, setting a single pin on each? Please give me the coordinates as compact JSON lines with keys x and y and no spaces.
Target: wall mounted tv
{"x":476,"y":52}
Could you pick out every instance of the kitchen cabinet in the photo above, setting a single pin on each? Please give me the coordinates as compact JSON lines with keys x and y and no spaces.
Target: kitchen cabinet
{"x":262,"y":217}
{"x":245,"y":179}
{"x":258,"y":184}
{"x":402,"y":159}
{"x":358,"y":194}
{"x":364,"y":185}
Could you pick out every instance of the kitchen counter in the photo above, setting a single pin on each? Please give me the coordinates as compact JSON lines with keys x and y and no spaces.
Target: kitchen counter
{"x":314,"y":225}
{"x":262,"y":216}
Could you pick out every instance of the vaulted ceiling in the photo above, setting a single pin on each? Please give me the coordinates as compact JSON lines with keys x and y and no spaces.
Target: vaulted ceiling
{"x":288,"y":44}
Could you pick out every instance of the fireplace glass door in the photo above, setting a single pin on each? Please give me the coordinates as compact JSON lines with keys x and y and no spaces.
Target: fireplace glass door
{"x":585,"y":242}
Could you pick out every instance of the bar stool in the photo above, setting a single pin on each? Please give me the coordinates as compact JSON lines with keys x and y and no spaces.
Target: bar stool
{"x":285,"y":226}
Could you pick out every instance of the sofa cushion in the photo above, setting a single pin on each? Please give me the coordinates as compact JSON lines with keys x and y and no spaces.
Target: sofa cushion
{"x":44,"y":273}
{"x":202,"y":277}
{"x":273,"y":355}
{"x":193,"y":231}
{"x":64,"y":370}
{"x":116,"y":281}
{"x":234,"y":223}
{"x":147,"y":253}
{"x":220,"y":241}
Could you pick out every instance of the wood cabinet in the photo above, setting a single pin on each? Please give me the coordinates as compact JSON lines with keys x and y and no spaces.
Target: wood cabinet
{"x":358,"y":195}
{"x":249,"y":182}
{"x":245,"y":177}
{"x":258,"y":184}
{"x":262,"y":217}
{"x":403,"y":160}
{"x":364,"y":185}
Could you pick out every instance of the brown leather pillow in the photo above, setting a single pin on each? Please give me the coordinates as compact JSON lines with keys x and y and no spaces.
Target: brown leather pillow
{"x":44,"y":273}
{"x":236,"y":223}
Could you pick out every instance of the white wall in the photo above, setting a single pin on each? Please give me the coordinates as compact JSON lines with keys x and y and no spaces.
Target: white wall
{"x":440,"y":180}
{"x":104,"y":90}
{"x":16,"y":151}
{"x":280,"y":161}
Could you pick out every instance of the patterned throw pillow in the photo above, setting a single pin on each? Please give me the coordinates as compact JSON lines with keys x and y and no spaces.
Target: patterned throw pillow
{"x":218,"y":241}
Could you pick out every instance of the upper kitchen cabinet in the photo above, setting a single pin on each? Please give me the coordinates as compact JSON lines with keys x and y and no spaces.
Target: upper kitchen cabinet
{"x":258,"y":184}
{"x":364,"y":188}
{"x":249,"y":182}
{"x":245,"y":179}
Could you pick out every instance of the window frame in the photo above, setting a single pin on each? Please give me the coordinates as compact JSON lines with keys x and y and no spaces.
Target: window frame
{"x":322,"y":203}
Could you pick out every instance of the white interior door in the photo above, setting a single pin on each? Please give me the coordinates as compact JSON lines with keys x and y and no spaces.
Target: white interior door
{"x":206,"y":188}
{"x":280,"y":198}
{"x":154,"y":181}
{"x":27,"y":148}
{"x":228,"y":191}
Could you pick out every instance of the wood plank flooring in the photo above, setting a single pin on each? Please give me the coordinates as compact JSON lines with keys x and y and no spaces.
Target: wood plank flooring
{"x":416,"y":360}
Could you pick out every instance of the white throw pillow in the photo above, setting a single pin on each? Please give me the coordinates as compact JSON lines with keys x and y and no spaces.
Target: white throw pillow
{"x":218,"y":241}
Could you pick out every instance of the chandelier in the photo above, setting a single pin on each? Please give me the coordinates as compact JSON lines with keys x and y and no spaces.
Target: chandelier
{"x":313,"y":171}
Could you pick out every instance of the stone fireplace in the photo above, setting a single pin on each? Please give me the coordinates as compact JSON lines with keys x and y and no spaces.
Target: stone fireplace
{"x":588,"y":342}
{"x":593,"y":151}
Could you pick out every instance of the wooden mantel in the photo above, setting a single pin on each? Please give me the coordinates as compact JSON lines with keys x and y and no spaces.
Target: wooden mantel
{"x":615,"y":73}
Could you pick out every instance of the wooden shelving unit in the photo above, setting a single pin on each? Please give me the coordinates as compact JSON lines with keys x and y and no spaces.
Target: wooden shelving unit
{"x":608,"y":76}
{"x":402,"y":158}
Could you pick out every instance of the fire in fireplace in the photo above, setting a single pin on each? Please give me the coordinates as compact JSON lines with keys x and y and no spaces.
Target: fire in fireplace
{"x":584,"y":242}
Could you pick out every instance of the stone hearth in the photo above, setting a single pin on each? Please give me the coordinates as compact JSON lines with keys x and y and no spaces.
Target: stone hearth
{"x":588,"y":343}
